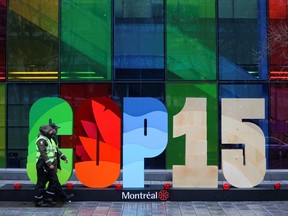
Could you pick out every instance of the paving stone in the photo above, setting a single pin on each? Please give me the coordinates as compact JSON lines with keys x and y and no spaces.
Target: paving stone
{"x":149,"y":208}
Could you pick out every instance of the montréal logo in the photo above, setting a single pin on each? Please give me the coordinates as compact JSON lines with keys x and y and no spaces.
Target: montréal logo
{"x":162,"y":195}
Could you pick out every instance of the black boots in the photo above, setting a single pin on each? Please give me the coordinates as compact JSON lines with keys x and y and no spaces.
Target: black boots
{"x":40,"y":203}
{"x":50,"y":202}
{"x":68,"y":198}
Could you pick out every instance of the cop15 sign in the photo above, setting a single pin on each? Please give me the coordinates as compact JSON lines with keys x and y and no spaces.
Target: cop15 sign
{"x":142,"y":130}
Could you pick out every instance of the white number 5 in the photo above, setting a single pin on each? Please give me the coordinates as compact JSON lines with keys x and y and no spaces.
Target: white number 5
{"x":235,"y":131}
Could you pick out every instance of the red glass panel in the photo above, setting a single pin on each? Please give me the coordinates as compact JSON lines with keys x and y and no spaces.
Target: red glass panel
{"x":278,"y":50}
{"x":277,"y":42}
{"x":277,"y":9}
{"x":277,"y":143}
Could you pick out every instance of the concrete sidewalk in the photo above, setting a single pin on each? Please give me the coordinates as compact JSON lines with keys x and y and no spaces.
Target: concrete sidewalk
{"x":141,"y":208}
{"x":277,"y":208}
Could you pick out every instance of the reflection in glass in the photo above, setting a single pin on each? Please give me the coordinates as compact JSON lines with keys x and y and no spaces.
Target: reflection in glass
{"x":33,"y":40}
{"x":278,"y":139}
{"x":3,"y":21}
{"x":75,"y":95}
{"x":139,"y":40}
{"x":242,"y":40}
{"x":86,"y":40}
{"x":191,"y":40}
{"x":21,"y":98}
{"x":2,"y":126}
{"x":277,"y":39}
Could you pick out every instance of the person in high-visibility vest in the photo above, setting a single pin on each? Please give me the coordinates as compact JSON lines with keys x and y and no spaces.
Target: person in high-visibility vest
{"x":59,"y":155}
{"x":54,"y":139}
{"x":47,"y":151}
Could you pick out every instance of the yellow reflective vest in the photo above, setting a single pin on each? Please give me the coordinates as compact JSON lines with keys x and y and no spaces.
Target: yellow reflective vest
{"x":51,"y":149}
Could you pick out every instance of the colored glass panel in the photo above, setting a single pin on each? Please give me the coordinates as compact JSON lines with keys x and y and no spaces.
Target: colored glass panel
{"x":176,"y":95}
{"x":32,"y":40}
{"x":21,"y":98}
{"x":3,"y":24}
{"x":2,"y":126}
{"x":277,"y":9}
{"x":277,"y":42}
{"x":76,"y":95}
{"x":278,"y":139}
{"x":190,"y":40}
{"x":242,"y":40}
{"x":139,"y":40}
{"x":86,"y":50}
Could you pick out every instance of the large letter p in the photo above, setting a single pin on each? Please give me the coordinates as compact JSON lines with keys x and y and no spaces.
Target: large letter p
{"x":145,"y":135}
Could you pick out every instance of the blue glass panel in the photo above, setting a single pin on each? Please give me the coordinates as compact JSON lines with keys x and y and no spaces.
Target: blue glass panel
{"x":139,"y":40}
{"x":242,"y":40}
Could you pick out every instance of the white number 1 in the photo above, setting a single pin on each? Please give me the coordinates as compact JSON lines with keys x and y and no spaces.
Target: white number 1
{"x":191,"y":122}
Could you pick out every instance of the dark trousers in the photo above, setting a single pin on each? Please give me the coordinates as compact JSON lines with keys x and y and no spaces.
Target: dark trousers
{"x":44,"y":175}
{"x":41,"y":181}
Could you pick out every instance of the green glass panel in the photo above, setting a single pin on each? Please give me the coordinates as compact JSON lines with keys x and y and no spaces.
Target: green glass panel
{"x":86,"y":40}
{"x":190,"y":40}
{"x":176,"y":95}
{"x":2,"y":127}
{"x":32,"y":41}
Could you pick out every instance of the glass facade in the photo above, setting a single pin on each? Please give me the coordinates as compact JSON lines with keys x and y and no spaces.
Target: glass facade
{"x":86,"y":45}
{"x":2,"y":125}
{"x":3,"y":29}
{"x":139,"y":40}
{"x":242,"y":39}
{"x":191,"y":40}
{"x":21,"y":98}
{"x":172,"y":50}
{"x":278,"y":28}
{"x":76,"y":94}
{"x":32,"y":40}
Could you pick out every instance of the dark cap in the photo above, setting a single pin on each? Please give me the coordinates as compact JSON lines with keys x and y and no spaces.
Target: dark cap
{"x":45,"y":129}
{"x":54,"y":126}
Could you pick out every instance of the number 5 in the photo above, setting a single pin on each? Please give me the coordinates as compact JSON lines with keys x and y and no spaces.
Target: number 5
{"x":235,"y":131}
